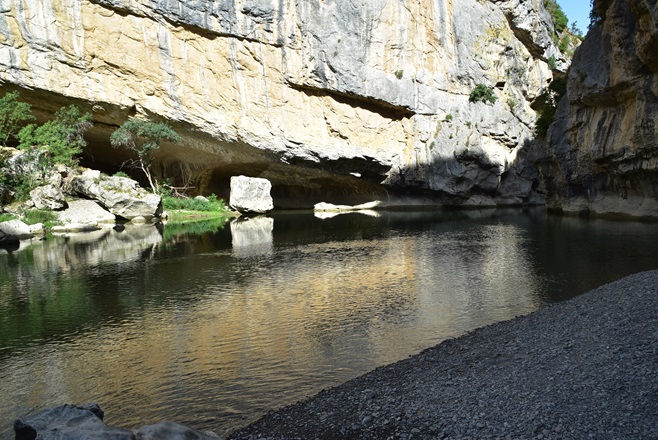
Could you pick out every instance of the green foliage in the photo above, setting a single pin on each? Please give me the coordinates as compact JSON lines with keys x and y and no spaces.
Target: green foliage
{"x":559,"y":17}
{"x":563,"y":44}
{"x":121,"y":174}
{"x":62,"y":137}
{"x":545,"y":120}
{"x":483,"y":93}
{"x":399,"y":74}
{"x":576,"y":30}
{"x":595,"y":15}
{"x":552,"y":63}
{"x":178,"y":203}
{"x":13,"y":116}
{"x":34,"y":216}
{"x":7,"y":217}
{"x":448,"y":117}
{"x":143,"y":137}
{"x":552,"y":96}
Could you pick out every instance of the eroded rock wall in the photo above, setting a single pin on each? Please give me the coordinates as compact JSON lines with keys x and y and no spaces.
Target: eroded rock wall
{"x":340,"y":101}
{"x":602,"y":155}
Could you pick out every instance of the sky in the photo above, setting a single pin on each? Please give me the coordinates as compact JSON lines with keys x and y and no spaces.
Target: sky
{"x":578,"y":11}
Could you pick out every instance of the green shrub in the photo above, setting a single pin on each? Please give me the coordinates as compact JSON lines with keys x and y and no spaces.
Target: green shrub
{"x":399,"y":74}
{"x":62,"y":137}
{"x":34,"y":216}
{"x":545,"y":120}
{"x":559,"y":17}
{"x":483,"y":93}
{"x":448,"y":117}
{"x":192,"y":204}
{"x":13,"y":116}
{"x":552,"y":63}
{"x":121,"y":174}
{"x":563,"y":45}
{"x":7,"y":217}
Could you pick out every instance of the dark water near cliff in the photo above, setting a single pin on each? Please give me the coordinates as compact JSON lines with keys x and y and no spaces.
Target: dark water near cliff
{"x":213,"y":329}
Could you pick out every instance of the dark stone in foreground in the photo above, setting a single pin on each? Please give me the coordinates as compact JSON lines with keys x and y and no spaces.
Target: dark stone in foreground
{"x":586,"y":368}
{"x":70,"y":422}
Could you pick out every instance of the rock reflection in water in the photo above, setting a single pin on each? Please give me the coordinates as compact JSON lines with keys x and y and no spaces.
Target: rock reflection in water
{"x":252,"y":236}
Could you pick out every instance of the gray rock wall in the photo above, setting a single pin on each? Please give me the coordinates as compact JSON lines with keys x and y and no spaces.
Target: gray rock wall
{"x":338,"y":101}
{"x":602,"y":154}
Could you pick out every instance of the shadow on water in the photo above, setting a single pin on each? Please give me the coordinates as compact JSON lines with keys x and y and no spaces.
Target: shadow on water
{"x":213,"y":326}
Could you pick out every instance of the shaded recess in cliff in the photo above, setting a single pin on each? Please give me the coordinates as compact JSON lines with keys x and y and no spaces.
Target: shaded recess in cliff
{"x":602,"y":152}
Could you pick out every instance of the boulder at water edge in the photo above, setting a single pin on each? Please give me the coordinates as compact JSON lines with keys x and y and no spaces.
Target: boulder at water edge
{"x":71,"y":422}
{"x":121,"y":196}
{"x":251,"y":194}
{"x":14,"y":230}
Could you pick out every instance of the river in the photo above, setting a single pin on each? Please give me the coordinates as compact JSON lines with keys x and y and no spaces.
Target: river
{"x":212,"y":329}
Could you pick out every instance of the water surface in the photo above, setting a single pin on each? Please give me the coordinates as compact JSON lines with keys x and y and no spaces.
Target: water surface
{"x":213,"y":329}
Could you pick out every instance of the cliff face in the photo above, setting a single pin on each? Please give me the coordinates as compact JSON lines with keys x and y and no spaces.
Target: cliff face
{"x":339,"y":101}
{"x":603,"y":148}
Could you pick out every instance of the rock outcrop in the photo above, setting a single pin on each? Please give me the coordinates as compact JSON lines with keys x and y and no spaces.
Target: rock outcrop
{"x":338,"y":101}
{"x":602,"y":153}
{"x":121,"y":196}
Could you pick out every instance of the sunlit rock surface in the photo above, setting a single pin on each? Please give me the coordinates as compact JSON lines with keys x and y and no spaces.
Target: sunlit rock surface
{"x":251,"y":194}
{"x":338,"y":101}
{"x":603,"y":149}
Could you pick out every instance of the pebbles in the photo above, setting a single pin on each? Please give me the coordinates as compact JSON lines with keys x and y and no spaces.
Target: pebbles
{"x":586,"y":368}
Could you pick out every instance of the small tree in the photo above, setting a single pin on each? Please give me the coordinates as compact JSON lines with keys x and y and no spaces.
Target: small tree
{"x":62,"y":137}
{"x":143,"y":137}
{"x":13,"y":116}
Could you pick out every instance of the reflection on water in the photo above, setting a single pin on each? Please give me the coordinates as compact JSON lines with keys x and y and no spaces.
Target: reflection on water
{"x":213,"y":329}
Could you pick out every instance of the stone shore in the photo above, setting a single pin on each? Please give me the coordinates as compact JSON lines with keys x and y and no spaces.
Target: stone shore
{"x":585,"y":368}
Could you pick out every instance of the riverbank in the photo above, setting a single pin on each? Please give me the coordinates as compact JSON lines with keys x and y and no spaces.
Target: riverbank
{"x":585,"y":368}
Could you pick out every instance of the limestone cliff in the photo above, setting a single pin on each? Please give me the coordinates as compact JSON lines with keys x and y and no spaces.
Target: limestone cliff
{"x":332,"y":100}
{"x":602,"y":155}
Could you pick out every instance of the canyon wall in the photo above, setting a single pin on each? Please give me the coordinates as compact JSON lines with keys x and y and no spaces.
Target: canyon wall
{"x":341,"y":101}
{"x":602,"y":152}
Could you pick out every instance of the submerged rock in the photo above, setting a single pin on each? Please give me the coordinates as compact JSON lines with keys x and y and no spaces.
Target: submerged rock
{"x":251,"y":194}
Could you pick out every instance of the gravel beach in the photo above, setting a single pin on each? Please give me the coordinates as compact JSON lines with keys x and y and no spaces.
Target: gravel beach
{"x":585,"y":368}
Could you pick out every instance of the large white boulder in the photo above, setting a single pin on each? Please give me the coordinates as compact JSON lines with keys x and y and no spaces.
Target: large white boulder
{"x":85,"y":212}
{"x":121,"y":196}
{"x":14,"y":230}
{"x":251,"y":194}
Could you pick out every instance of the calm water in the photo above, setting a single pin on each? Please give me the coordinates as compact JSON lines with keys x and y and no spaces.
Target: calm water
{"x":213,"y":329}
